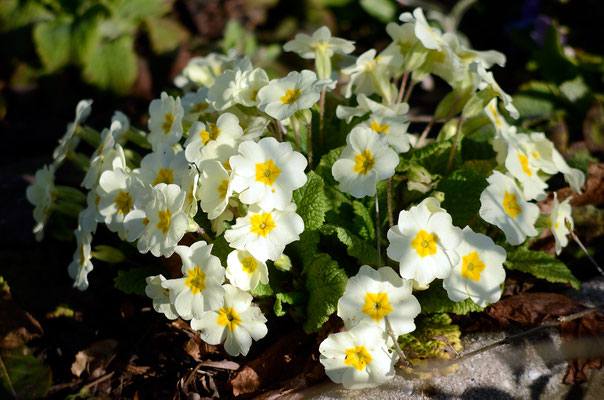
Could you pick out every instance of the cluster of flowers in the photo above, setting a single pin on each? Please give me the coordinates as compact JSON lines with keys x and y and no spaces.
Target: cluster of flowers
{"x":210,"y":148}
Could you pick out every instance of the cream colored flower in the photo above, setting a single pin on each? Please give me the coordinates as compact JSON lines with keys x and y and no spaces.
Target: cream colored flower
{"x":560,"y":221}
{"x":281,"y":98}
{"x":165,"y":121}
{"x":81,"y":265}
{"x":244,"y":271}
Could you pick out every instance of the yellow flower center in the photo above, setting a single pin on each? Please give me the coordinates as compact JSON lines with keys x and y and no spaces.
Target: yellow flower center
{"x":379,"y":128}
{"x":123,"y":201}
{"x":472,"y":266}
{"x":425,"y":243}
{"x":164,"y":220}
{"x":213,"y":134}
{"x":191,"y":195}
{"x":262,"y":224}
{"x":196,"y":280}
{"x":510,"y":204}
{"x":535,"y":154}
{"x":358,"y":357}
{"x":363,"y":162}
{"x":249,"y":264}
{"x":267,"y":172}
{"x":168,"y":121}
{"x":377,"y":305}
{"x":164,"y":176}
{"x":223,"y":188}
{"x":228,"y":317}
{"x":524,"y":162}
{"x":291,"y":96}
{"x":199,"y":107}
{"x":255,"y":94}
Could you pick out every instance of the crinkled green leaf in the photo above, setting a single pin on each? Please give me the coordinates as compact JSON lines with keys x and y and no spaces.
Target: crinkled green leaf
{"x":462,"y":191}
{"x":112,"y":65}
{"x":477,"y":148}
{"x":221,"y":248}
{"x":304,"y":250}
{"x":355,"y":246}
{"x":452,"y":103}
{"x":311,"y":202}
{"x":86,"y":34}
{"x":132,"y":281}
{"x":108,"y":254}
{"x":139,"y":9}
{"x":23,"y":375}
{"x":436,"y":300}
{"x":363,"y":222}
{"x":262,"y":290}
{"x":554,"y":64}
{"x":434,"y":157}
{"x":292,"y":298}
{"x":541,"y":265}
{"x":325,"y":283}
{"x":433,"y":338}
{"x":535,"y":100}
{"x":15,"y":14}
{"x":165,"y":34}
{"x":53,"y":42}
{"x":333,"y":195}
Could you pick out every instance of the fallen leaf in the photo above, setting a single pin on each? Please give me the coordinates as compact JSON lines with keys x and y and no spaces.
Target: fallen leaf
{"x":94,"y":359}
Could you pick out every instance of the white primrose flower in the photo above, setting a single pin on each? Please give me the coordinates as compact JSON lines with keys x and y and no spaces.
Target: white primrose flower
{"x":202,"y":71}
{"x":226,"y":131}
{"x":394,"y":128}
{"x":187,"y":178}
{"x":119,"y":131}
{"x":215,"y":189}
{"x":467,"y":55}
{"x":366,"y":159}
{"x":430,"y":37}
{"x":358,"y":358}
{"x":487,"y":80}
{"x":159,"y":223}
{"x":424,"y":243}
{"x":366,"y":105}
{"x":560,"y":220}
{"x":264,"y":234}
{"x":107,"y":157}
{"x":368,"y":76}
{"x":406,"y":51}
{"x":238,"y":87}
{"x":158,"y":167}
{"x":165,"y":121}
{"x":117,"y":194}
{"x":90,"y":216}
{"x":502,"y":203}
{"x":521,"y":166}
{"x":321,"y":40}
{"x":373,"y":294}
{"x":253,"y":126}
{"x":41,"y":194}
{"x":548,"y":159}
{"x":500,"y":124}
{"x":80,"y":266}
{"x":199,"y":290}
{"x":267,"y":172}
{"x":195,"y":104}
{"x":160,"y":296}
{"x":281,"y":98}
{"x":235,"y":324}
{"x":221,"y":223}
{"x":479,"y":273}
{"x":69,"y":141}
{"x":244,"y":271}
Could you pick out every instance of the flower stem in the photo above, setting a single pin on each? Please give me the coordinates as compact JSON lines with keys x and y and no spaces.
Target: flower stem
{"x":403,"y":86}
{"x":424,"y":135}
{"x":309,"y":143}
{"x":398,"y":349}
{"x":203,"y":233}
{"x":454,"y":146}
{"x":408,"y":94}
{"x":377,"y":229}
{"x":297,"y":133}
{"x":390,"y":213}
{"x":234,"y":211}
{"x":321,"y":122}
{"x":593,"y":261}
{"x":278,"y":134}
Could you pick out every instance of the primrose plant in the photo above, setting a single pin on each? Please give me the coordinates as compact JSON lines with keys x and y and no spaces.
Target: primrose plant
{"x":228,"y":187}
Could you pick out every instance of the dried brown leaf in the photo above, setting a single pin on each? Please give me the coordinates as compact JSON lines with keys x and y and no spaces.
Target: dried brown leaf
{"x":95,"y":358}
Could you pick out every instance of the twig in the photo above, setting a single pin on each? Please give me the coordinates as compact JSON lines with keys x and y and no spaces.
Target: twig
{"x":377,"y":229}
{"x":408,"y":94}
{"x":309,"y":144}
{"x":203,"y":233}
{"x":424,"y":134}
{"x":512,"y":338}
{"x":576,"y":238}
{"x":398,"y":349}
{"x":321,"y":113}
{"x":99,"y":380}
{"x":403,"y":86}
{"x":424,"y":118}
{"x":454,"y":146}
{"x":390,"y":213}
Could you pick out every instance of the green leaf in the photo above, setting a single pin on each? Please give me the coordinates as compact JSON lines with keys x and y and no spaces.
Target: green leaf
{"x":221,"y":248}
{"x":108,"y":254}
{"x":22,"y":375}
{"x":436,"y":300}
{"x":15,"y":14}
{"x":311,"y":202}
{"x":325,"y":283}
{"x":541,"y":265}
{"x":139,"y":9}
{"x":363,"y":222}
{"x":382,"y":10}
{"x":304,"y":250}
{"x":452,"y":103}
{"x":53,"y":42}
{"x":263,"y":290}
{"x":335,"y":198}
{"x":462,"y":191}
{"x":165,"y":34}
{"x":433,"y":338}
{"x":535,"y":100}
{"x":434,"y":157}
{"x":477,"y":148}
{"x":132,"y":281}
{"x":292,"y":298}
{"x":356,"y":247}
{"x":112,"y":65}
{"x":86,"y":34}
{"x":555,"y":66}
